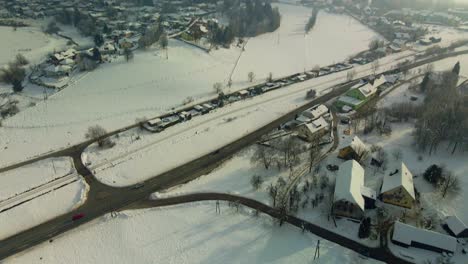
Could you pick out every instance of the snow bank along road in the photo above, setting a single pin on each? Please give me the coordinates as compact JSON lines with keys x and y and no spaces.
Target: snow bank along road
{"x":103,"y":199}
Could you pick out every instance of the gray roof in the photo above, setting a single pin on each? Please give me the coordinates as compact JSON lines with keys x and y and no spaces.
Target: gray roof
{"x":407,"y":234}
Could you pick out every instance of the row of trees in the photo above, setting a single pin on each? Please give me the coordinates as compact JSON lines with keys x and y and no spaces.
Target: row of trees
{"x":15,"y":73}
{"x":246,"y":18}
{"x":312,"y":20}
{"x":443,"y":116}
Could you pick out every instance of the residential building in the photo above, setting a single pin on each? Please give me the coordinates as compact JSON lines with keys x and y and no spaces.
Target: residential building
{"x":310,"y":131}
{"x":348,"y":200}
{"x":398,"y":189}
{"x":354,"y":151}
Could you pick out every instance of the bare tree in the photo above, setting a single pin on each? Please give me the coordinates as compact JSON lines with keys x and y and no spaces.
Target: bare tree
{"x":21,"y":60}
{"x":273,"y":192}
{"x":375,"y":66}
{"x":256,"y":181}
{"x":397,"y":154}
{"x":270,"y":77}
{"x":218,"y":87}
{"x":263,"y":155}
{"x":350,"y":75}
{"x":98,"y":133}
{"x":13,"y":74}
{"x":314,"y":152}
{"x":251,"y":76}
{"x":450,"y":184}
{"x":128,"y":53}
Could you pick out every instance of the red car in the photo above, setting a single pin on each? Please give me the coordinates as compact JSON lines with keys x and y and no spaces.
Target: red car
{"x":78,"y":216}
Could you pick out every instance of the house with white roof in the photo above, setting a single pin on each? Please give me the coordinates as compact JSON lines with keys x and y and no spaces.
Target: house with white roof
{"x":455,"y":227}
{"x":348,"y":200}
{"x":409,"y":236}
{"x":310,"y":131}
{"x":398,"y":189}
{"x":356,"y":150}
{"x":315,"y":112}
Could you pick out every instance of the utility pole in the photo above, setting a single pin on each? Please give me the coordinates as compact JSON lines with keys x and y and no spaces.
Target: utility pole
{"x":317,"y":250}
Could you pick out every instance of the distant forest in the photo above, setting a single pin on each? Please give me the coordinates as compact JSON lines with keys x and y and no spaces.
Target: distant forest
{"x":416,"y":4}
{"x":247,"y":18}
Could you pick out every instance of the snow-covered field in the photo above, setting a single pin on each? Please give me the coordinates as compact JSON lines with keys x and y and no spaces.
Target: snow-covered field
{"x":167,"y":235}
{"x":31,"y":176}
{"x":29,"y":41}
{"x":116,"y":94}
{"x":289,"y":50}
{"x":43,"y":208}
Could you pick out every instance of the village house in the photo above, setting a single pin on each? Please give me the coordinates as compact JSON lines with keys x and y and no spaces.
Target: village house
{"x":398,"y":189}
{"x":351,"y":197}
{"x":455,"y":227}
{"x":409,"y":236}
{"x":361,"y":93}
{"x":310,"y":131}
{"x":356,"y":150}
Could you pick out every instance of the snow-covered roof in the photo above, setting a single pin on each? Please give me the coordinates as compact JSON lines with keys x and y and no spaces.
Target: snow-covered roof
{"x":403,"y":178}
{"x":455,"y":224}
{"x":303,"y":119}
{"x":380,"y":81}
{"x":407,"y":234}
{"x":368,"y":90}
{"x":317,"y":125}
{"x":357,"y":144}
{"x":368,"y":192}
{"x":316,"y":111}
{"x":349,"y":181}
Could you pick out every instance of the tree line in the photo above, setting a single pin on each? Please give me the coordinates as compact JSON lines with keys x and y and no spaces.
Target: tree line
{"x":247,"y":18}
{"x":443,"y":117}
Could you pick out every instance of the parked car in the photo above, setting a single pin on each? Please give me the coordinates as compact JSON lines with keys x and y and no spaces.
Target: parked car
{"x":138,"y":186}
{"x":78,"y":216}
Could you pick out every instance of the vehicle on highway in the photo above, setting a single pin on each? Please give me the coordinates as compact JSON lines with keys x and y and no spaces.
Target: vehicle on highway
{"x":138,"y":186}
{"x":78,"y":216}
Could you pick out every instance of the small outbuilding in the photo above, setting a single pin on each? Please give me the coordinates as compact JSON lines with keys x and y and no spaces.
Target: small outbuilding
{"x":409,"y":236}
{"x":455,"y":227}
{"x":355,"y":150}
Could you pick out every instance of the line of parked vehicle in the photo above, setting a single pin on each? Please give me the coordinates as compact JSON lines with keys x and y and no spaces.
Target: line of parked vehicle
{"x":157,"y":125}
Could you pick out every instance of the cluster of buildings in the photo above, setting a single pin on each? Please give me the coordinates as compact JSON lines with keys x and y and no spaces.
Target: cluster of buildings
{"x":352,"y":198}
{"x":365,"y":90}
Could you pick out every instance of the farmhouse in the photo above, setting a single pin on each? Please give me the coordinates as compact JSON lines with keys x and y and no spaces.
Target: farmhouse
{"x":315,"y":112}
{"x":408,"y":236}
{"x":455,"y":227}
{"x":356,"y":150}
{"x":310,"y":131}
{"x":398,"y":189}
{"x":348,"y":200}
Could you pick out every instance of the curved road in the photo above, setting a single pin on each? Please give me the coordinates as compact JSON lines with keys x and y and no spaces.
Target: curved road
{"x":379,"y":253}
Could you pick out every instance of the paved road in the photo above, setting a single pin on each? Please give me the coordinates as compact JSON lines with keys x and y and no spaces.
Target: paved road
{"x":103,"y":199}
{"x":379,"y":253}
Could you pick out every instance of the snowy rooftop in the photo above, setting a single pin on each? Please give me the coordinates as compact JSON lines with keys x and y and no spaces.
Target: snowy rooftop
{"x":368,"y":89}
{"x":357,"y":144}
{"x":455,"y":224}
{"x":403,"y":178}
{"x":317,"y":125}
{"x":349,"y":181}
{"x":350,"y":100}
{"x":316,"y":111}
{"x":407,"y":235}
